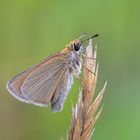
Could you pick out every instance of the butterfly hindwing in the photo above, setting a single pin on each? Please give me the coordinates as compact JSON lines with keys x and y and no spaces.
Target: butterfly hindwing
{"x":35,"y":84}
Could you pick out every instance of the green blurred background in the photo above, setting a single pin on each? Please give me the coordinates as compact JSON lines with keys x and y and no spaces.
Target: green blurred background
{"x":30,"y":30}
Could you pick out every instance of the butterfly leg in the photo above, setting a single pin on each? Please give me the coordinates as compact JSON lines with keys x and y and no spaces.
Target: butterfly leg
{"x":85,"y":66}
{"x":88,"y":69}
{"x":83,"y":84}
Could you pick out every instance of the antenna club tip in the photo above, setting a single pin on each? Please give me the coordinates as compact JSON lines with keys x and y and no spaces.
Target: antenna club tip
{"x":96,"y":35}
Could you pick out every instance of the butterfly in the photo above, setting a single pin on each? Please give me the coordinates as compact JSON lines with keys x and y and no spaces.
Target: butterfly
{"x":49,"y":82}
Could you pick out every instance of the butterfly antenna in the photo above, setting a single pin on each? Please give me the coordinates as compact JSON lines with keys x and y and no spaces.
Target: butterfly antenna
{"x":82,"y":35}
{"x":93,"y":36}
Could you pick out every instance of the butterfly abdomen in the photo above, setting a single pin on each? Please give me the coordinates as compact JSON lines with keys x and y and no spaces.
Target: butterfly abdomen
{"x":58,"y":101}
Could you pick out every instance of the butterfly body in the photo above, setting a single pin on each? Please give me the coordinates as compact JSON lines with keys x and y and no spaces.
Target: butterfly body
{"x":49,"y":81}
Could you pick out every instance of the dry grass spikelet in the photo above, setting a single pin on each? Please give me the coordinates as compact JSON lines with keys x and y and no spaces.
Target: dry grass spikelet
{"x":85,"y":114}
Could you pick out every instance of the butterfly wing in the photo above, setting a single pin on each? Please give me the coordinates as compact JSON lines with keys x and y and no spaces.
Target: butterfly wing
{"x":37,"y":84}
{"x":15,"y":83}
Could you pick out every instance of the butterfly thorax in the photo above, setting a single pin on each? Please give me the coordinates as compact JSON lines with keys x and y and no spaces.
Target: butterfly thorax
{"x":74,"y":62}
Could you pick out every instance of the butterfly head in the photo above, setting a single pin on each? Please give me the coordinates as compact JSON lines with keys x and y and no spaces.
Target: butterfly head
{"x":76,"y":45}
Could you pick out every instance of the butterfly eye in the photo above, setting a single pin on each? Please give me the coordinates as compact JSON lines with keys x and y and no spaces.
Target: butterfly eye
{"x":77,"y":47}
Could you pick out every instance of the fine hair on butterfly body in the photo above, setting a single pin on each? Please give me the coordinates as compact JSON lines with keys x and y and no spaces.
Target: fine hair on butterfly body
{"x":49,"y":82}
